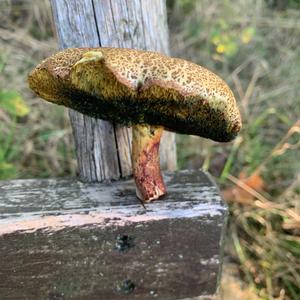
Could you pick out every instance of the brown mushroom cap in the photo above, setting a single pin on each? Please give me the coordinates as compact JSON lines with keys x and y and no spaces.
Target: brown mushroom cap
{"x":130,"y":86}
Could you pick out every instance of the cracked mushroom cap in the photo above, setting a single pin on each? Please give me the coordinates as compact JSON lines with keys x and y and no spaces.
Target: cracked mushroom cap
{"x":128,"y":87}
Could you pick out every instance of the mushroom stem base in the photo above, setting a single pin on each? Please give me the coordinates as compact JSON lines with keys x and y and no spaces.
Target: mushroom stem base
{"x":145,"y":162}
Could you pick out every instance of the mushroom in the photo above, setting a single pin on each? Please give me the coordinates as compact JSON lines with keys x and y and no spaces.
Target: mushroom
{"x":146,"y":90}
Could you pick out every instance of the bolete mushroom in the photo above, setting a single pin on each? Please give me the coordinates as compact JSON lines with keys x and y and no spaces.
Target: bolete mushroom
{"x":146,"y":90}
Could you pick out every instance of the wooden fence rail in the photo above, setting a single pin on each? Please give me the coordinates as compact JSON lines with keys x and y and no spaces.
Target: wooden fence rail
{"x":64,"y":239}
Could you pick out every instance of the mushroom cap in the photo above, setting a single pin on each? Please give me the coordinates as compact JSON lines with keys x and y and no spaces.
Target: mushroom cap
{"x":130,"y":86}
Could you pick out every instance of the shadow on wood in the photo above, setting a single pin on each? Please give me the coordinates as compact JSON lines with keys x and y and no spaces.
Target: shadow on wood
{"x":63,"y":239}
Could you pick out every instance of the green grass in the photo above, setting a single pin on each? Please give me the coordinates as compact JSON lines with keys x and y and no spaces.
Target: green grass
{"x":255,"y":48}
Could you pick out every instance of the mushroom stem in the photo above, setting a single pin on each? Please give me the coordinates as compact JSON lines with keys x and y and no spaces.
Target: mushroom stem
{"x":145,"y":162}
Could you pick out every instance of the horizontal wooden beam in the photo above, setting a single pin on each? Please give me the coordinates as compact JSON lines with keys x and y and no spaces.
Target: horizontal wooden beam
{"x":63,"y":239}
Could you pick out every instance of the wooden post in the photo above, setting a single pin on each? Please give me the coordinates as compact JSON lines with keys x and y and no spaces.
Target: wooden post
{"x":104,"y":149}
{"x":64,"y":239}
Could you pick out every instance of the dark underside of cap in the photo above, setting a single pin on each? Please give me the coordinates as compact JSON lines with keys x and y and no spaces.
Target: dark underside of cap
{"x":129,"y":87}
{"x":198,"y":120}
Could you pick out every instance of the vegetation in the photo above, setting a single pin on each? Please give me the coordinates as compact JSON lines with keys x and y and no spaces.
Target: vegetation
{"x":39,"y":143}
{"x":254,"y":46}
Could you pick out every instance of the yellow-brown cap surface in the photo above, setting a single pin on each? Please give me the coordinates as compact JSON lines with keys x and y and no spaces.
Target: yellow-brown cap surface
{"x":130,"y":86}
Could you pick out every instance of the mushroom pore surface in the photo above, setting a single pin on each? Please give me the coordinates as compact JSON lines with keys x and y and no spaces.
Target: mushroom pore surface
{"x":128,"y":86}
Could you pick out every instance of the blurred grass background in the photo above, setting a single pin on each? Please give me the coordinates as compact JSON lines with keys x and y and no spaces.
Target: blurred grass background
{"x":254,"y":45}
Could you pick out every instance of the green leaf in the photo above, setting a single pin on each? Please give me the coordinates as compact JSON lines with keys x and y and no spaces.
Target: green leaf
{"x":7,"y":170}
{"x":293,"y":247}
{"x":231,"y":48}
{"x":13,"y":103}
{"x":247,"y":35}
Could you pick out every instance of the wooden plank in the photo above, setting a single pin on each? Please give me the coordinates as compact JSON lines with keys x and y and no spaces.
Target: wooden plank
{"x":64,"y":239}
{"x":103,"y":150}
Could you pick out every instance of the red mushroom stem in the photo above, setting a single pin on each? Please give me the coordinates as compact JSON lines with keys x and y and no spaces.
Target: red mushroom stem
{"x":145,"y":162}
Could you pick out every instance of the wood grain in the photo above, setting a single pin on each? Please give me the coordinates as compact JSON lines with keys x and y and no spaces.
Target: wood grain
{"x":64,"y":239}
{"x":104,"y":150}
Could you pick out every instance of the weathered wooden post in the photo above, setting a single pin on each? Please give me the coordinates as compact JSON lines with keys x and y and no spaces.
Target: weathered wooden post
{"x":69,"y":239}
{"x":103,"y":149}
